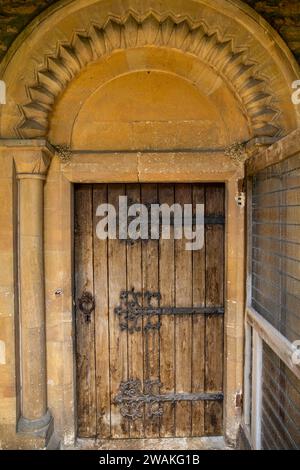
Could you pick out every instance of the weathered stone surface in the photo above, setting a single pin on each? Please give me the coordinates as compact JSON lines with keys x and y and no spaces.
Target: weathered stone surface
{"x":283,"y":15}
{"x":14,"y":16}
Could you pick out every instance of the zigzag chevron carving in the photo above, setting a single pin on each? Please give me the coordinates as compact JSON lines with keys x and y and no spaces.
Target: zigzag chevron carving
{"x":162,"y":31}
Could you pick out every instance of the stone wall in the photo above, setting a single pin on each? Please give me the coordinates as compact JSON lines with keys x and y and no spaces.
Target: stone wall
{"x":283,"y":15}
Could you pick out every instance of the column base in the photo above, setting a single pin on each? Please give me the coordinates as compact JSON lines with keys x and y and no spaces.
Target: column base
{"x":39,"y":429}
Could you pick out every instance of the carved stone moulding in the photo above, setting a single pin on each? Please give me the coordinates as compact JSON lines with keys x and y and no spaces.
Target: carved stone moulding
{"x":237,"y":153}
{"x":240,"y":73}
{"x":31,"y":157}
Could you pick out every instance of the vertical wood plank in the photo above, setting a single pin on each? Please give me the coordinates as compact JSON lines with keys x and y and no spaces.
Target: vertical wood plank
{"x":101,"y":319}
{"x":167,"y":338}
{"x":85,"y":331}
{"x":118,"y":338}
{"x":214,"y":234}
{"x":150,"y":283}
{"x":184,"y":292}
{"x":198,"y":325}
{"x":135,"y":340}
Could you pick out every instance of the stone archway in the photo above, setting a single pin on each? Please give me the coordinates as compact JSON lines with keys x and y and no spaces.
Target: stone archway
{"x":245,"y":52}
{"x":200,"y":43}
{"x":134,"y":31}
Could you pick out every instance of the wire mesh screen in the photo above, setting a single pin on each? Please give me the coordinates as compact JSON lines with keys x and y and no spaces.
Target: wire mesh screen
{"x":276,"y":246}
{"x":280,"y":404}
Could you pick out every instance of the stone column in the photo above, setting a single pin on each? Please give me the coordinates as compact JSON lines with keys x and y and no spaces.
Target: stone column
{"x":32,"y":160}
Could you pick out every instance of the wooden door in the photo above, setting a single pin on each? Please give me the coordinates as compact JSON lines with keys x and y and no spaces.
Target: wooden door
{"x":149,"y":320}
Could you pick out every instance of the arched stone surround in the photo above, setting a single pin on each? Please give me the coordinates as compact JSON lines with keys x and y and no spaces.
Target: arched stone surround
{"x":132,"y":31}
{"x":206,"y":44}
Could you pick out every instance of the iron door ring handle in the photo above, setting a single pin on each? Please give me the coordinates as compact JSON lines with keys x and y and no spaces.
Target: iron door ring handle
{"x":86,"y":304}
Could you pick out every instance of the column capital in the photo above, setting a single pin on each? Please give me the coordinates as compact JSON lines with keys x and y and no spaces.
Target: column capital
{"x":32,"y":157}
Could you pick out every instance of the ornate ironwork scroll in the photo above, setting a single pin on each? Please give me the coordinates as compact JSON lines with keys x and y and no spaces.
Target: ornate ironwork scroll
{"x":133,"y":398}
{"x":130,"y":407}
{"x":137,"y":305}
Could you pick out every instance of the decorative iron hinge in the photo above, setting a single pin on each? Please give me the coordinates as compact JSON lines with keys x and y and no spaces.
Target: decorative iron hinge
{"x":135,"y":400}
{"x":137,"y":305}
{"x":134,"y":305}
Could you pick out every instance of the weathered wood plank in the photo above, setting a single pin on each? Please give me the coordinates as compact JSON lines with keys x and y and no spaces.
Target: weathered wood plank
{"x":183,"y":328}
{"x":135,"y":340}
{"x":214,"y":297}
{"x":101,"y":319}
{"x":167,"y":338}
{"x":85,"y":331}
{"x":198,"y":325}
{"x":118,"y":339}
{"x":150,"y":283}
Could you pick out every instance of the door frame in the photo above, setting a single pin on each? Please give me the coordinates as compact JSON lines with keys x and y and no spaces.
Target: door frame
{"x":136,"y":167}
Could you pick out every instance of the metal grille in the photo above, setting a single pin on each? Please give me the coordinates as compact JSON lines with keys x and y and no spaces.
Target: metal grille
{"x":276,"y":246}
{"x":280,"y":404}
